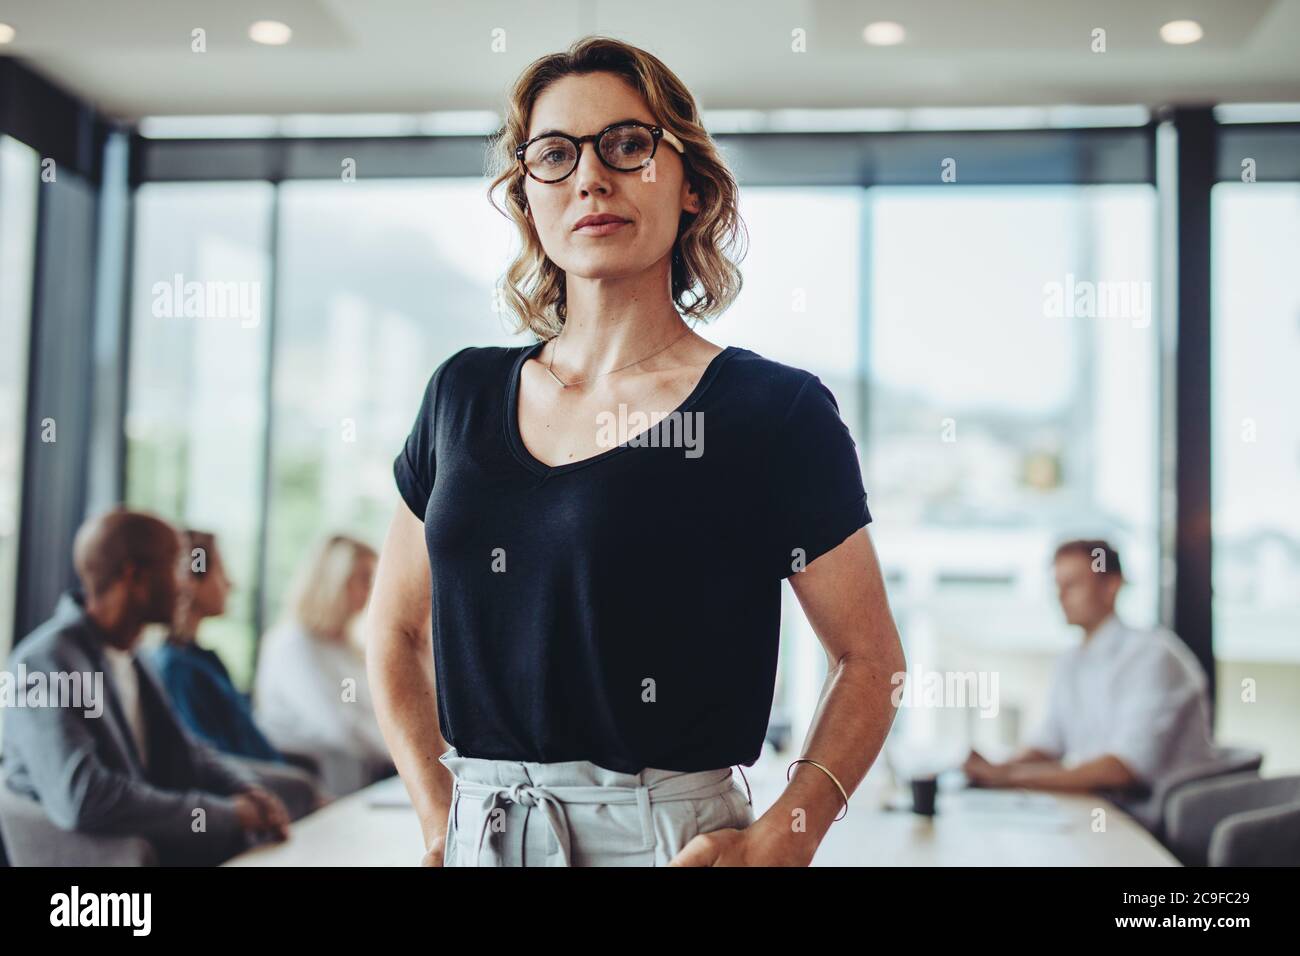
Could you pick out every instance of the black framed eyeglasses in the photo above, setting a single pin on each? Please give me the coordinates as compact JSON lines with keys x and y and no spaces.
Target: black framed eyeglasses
{"x":624,"y":147}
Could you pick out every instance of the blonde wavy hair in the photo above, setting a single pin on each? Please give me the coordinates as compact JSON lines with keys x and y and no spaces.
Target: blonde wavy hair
{"x":710,"y":243}
{"x":318,"y":596}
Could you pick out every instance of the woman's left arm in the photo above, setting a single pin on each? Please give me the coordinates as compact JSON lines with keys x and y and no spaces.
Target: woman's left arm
{"x":843,"y":594}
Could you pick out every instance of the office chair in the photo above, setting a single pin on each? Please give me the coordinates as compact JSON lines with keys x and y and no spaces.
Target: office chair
{"x":1226,"y":761}
{"x":30,"y":839}
{"x":1238,"y":820}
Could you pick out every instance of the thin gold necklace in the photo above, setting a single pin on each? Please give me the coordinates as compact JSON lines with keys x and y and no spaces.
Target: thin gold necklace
{"x":564,"y":384}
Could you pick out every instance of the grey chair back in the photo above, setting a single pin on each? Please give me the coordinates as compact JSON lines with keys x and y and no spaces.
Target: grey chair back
{"x":1238,"y":820}
{"x":1226,"y":761}
{"x":31,"y":839}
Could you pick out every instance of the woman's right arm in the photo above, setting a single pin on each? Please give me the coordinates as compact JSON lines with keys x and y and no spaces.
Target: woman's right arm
{"x":399,"y":667}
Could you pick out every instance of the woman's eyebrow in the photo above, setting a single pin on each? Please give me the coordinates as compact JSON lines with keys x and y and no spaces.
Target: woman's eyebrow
{"x":554,"y":132}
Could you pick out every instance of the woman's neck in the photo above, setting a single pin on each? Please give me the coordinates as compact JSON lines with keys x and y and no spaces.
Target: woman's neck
{"x":186,"y":629}
{"x":613,"y":322}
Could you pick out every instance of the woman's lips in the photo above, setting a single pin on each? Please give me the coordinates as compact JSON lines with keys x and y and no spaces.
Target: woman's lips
{"x":600,"y":229}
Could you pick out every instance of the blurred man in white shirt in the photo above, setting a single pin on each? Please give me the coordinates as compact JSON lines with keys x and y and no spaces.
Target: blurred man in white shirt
{"x":1126,"y":709}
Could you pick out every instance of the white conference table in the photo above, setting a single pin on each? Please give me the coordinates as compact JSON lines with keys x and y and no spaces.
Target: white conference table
{"x":378,"y":827}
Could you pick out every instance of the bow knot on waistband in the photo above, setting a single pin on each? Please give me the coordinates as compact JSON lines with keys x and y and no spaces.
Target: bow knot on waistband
{"x":525,"y":795}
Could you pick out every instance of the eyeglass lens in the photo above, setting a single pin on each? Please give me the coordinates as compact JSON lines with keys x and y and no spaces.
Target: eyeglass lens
{"x":625,"y":148}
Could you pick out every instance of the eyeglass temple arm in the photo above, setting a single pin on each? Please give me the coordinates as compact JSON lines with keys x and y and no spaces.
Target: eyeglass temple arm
{"x":673,"y":141}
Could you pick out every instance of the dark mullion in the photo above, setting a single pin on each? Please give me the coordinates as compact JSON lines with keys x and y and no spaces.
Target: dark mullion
{"x":1193,"y":539}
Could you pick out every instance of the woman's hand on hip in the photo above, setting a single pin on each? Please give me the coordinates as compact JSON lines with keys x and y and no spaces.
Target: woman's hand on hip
{"x":730,"y":847}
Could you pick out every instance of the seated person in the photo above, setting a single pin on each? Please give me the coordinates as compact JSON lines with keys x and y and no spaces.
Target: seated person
{"x":1126,"y":708}
{"x":311,"y":695}
{"x":125,"y":766}
{"x":200,"y":688}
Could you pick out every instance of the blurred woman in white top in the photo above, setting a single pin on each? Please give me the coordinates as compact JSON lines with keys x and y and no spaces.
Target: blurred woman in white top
{"x":311,"y":696}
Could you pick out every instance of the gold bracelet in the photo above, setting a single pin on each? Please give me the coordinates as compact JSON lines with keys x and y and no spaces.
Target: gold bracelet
{"x":844,"y":795}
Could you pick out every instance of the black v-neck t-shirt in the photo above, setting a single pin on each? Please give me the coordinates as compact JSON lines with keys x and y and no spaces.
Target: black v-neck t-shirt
{"x":623,"y":609}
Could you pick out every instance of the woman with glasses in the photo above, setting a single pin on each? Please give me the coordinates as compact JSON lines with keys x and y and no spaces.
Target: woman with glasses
{"x":576,"y":615}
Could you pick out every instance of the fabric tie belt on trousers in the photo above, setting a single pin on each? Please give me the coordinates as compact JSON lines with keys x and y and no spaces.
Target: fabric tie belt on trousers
{"x":550,"y":800}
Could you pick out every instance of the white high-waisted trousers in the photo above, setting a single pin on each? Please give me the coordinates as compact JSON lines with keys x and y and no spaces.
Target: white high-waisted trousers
{"x":575,"y":813}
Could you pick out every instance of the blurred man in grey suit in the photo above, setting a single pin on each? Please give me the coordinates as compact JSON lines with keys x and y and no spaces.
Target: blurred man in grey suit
{"x":123,"y":765}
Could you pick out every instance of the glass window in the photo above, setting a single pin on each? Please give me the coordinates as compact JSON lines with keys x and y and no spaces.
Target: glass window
{"x":993,"y":351}
{"x":196,"y":409}
{"x":1256,"y":433}
{"x":1013,"y":404}
{"x":19,"y":180}
{"x":800,"y":304}
{"x":379,"y":282}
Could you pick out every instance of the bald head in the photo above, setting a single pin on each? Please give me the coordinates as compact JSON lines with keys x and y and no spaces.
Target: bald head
{"x":131,"y":556}
{"x":107,"y":542}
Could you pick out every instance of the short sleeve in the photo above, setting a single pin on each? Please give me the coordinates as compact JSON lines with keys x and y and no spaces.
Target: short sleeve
{"x":415,"y":466}
{"x":1155,"y":708}
{"x":814,"y":482}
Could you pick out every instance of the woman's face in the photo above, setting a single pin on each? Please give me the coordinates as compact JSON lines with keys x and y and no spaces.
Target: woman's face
{"x":359,"y":584}
{"x":207,"y":591}
{"x":652,"y":206}
{"x":215,"y":586}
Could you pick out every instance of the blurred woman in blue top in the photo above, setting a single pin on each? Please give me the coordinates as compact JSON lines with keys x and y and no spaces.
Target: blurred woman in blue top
{"x":202,"y":693}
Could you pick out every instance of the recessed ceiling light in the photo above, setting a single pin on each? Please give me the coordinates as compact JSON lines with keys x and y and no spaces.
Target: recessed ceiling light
{"x":270,"y":32}
{"x":884,"y":33}
{"x":1181,"y":31}
{"x":7,"y":33}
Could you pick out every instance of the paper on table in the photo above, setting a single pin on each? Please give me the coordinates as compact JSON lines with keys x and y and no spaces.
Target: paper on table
{"x":1023,"y":808}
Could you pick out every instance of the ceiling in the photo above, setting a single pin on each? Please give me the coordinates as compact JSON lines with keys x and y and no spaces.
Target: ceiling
{"x":132,"y":58}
